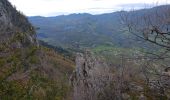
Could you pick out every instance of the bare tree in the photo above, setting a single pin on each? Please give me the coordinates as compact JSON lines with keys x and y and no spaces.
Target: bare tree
{"x":153,"y":26}
{"x":150,"y":25}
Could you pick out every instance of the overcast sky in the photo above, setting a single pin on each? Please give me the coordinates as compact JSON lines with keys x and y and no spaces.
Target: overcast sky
{"x":60,"y":7}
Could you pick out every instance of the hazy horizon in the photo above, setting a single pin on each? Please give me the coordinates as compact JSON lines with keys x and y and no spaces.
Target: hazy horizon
{"x":50,"y":8}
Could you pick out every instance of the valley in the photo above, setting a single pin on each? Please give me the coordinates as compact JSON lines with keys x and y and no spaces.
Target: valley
{"x":122,"y":55}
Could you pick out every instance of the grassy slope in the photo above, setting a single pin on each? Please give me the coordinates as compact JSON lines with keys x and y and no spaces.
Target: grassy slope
{"x":113,"y":54}
{"x":29,"y":72}
{"x":33,"y":73}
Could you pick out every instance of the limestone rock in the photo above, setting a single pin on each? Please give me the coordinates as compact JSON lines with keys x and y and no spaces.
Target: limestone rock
{"x":90,"y":77}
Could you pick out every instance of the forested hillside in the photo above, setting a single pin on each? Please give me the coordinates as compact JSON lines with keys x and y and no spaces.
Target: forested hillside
{"x":85,"y":30}
{"x":29,"y":71}
{"x":80,"y":30}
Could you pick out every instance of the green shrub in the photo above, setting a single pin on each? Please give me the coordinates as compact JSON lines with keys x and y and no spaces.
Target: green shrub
{"x":2,"y":62}
{"x":34,"y":60}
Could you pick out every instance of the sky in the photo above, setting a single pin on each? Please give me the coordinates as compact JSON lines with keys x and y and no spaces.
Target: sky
{"x":65,"y":7}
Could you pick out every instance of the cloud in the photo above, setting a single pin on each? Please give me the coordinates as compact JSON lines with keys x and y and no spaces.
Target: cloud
{"x":58,"y":7}
{"x":136,"y":6}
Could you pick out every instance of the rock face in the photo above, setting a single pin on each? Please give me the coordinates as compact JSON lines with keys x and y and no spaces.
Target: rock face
{"x":4,"y":18}
{"x":17,"y":40}
{"x":13,"y":23}
{"x":90,"y":78}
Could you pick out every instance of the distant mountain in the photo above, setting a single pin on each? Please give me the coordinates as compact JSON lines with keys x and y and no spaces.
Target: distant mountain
{"x":80,"y":30}
{"x":86,"y":30}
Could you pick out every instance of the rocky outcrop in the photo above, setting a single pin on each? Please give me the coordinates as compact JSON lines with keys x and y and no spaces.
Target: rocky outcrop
{"x":18,"y":41}
{"x":14,"y":23}
{"x":90,"y":78}
{"x":4,"y":18}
